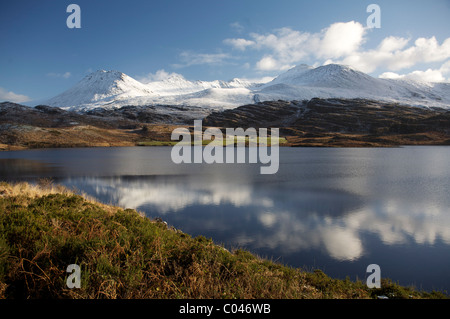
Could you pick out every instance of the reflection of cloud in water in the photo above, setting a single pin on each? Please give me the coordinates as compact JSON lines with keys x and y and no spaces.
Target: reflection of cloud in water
{"x":341,"y":243}
{"x":397,"y":222}
{"x":393,"y":222}
{"x":290,"y":233}
{"x":169,"y":196}
{"x":283,"y":222}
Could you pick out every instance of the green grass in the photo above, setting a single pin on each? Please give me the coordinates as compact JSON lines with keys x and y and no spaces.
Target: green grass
{"x":123,"y":254}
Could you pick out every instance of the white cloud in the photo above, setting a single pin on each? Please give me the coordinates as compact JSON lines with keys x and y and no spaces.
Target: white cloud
{"x":240,"y":44}
{"x":268,"y":63}
{"x":237,"y":27}
{"x":391,"y":44}
{"x":445,"y":68}
{"x":393,"y":54}
{"x":9,"y":96}
{"x":429,"y":75}
{"x":159,"y":75}
{"x":65,"y":75}
{"x":340,"y":39}
{"x":342,"y":42}
{"x":287,"y":46}
{"x":390,"y":75}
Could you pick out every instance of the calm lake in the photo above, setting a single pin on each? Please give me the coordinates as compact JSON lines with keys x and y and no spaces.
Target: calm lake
{"x":335,"y":209}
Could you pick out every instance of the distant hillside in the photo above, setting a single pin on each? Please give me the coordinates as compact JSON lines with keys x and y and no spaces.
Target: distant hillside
{"x":342,"y":122}
{"x":315,"y":122}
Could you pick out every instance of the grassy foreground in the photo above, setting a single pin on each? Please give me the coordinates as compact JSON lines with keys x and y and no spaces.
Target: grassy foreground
{"x":123,"y":254}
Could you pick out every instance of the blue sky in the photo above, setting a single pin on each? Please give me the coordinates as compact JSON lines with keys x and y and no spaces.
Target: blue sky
{"x":207,"y":40}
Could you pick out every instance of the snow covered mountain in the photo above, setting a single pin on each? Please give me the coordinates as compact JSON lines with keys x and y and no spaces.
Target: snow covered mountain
{"x":338,"y":81}
{"x":112,"y":89}
{"x":177,"y":85}
{"x":101,"y":88}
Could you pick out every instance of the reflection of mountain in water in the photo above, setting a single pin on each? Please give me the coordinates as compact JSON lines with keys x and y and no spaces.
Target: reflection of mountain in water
{"x":266,"y":217}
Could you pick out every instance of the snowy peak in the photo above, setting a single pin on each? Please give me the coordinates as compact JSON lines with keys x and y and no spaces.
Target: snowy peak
{"x":112,"y":82}
{"x":102,"y":75}
{"x":291,"y":76}
{"x":116,"y":82}
{"x":331,"y":75}
{"x":100,"y":87}
{"x":339,"y":81}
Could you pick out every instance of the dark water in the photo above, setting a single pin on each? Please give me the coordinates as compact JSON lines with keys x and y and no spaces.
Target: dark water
{"x":338,"y":210}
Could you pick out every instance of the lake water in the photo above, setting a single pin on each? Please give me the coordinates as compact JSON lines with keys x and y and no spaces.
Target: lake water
{"x":335,"y":209}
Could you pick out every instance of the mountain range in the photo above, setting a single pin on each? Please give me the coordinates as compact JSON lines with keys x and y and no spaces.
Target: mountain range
{"x":114,"y":89}
{"x":331,"y":106}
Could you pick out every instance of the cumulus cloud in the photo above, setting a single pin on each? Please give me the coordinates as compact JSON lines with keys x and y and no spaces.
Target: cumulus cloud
{"x":429,"y":75}
{"x":340,"y":39}
{"x":9,"y":96}
{"x":394,"y":54}
{"x":269,"y":63}
{"x":240,"y":44}
{"x":391,"y":44}
{"x":159,"y":75}
{"x":288,"y":46}
{"x":342,"y":43}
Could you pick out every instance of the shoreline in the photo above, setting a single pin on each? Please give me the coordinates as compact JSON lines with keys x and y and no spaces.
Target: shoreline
{"x":289,"y":143}
{"x":124,"y":254}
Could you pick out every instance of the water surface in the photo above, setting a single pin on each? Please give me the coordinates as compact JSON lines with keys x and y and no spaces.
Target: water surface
{"x":336,"y":209}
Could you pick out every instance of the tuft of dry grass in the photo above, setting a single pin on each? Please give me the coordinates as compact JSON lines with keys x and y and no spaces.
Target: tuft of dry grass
{"x":42,"y":188}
